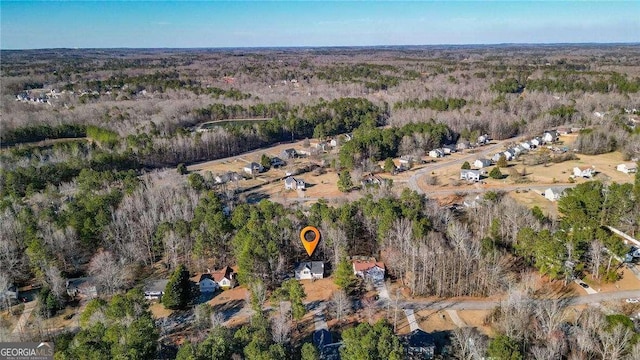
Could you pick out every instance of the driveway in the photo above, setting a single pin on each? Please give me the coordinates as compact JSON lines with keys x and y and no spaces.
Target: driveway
{"x":383,"y":293}
{"x":22,"y":322}
{"x":411,"y":318}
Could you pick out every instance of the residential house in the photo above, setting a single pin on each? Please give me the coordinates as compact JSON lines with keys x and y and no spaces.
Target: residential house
{"x":207,"y":284}
{"x":483,"y":139}
{"x":553,"y":193}
{"x":470,"y":175}
{"x":321,"y":146}
{"x":519,"y":149}
{"x":550,"y":136}
{"x":436,"y":153}
{"x":307,"y":152}
{"x":276,"y":162}
{"x":154,"y":289}
{"x":535,"y":142}
{"x":225,"y":277}
{"x":291,"y":183}
{"x":509,"y":154}
{"x":289,"y":154}
{"x":253,"y":168}
{"x":9,"y":294}
{"x":372,"y":179}
{"x":525,"y":145}
{"x":462,"y":145}
{"x":369,"y":269}
{"x":583,"y":171}
{"x":334,"y":142}
{"x":406,"y":161}
{"x":83,"y":287}
{"x":330,"y":351}
{"x":449,"y":148}
{"x":226,"y":177}
{"x":309,"y":270}
{"x":482,"y":163}
{"x":419,"y":344}
{"x":564,"y":130}
{"x":496,"y":157}
{"x":628,"y":168}
{"x":322,"y":338}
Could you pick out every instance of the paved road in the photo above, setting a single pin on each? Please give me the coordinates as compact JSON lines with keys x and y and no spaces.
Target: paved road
{"x":445,"y":304}
{"x":485,"y":150}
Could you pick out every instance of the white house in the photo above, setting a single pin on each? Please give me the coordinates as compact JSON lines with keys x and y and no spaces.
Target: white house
{"x":207,"y":284}
{"x":470,"y":175}
{"x":482,"y":163}
{"x":226,"y":177}
{"x":309,"y":270}
{"x":508,"y":155}
{"x":628,"y":168}
{"x":291,"y":183}
{"x":518,"y":149}
{"x":372,"y":179}
{"x":535,"y":142}
{"x":525,"y":145}
{"x":436,"y":153}
{"x":369,"y":269}
{"x":154,"y":289}
{"x":553,"y":193}
{"x":224,"y":277}
{"x":496,"y":157}
{"x":583,"y":171}
{"x":253,"y":168}
{"x":550,"y":136}
{"x":463,"y":145}
{"x":483,"y":139}
{"x":449,"y":149}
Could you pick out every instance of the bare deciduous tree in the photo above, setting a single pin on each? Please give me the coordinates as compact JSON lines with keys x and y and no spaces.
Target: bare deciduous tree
{"x":468,"y":344}
{"x":281,"y":324}
{"x":108,"y":274}
{"x":341,"y":304}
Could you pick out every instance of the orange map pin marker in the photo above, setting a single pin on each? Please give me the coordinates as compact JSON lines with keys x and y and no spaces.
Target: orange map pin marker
{"x":310,"y":237}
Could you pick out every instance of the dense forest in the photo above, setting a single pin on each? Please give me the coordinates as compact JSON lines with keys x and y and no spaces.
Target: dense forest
{"x":89,"y":188}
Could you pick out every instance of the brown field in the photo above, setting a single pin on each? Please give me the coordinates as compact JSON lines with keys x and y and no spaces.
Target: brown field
{"x":628,"y":282}
{"x":476,"y":318}
{"x":318,"y":290}
{"x":431,"y":320}
{"x":533,"y":198}
{"x":158,"y":310}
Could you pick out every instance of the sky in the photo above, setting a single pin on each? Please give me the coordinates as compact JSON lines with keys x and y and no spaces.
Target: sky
{"x":190,"y":24}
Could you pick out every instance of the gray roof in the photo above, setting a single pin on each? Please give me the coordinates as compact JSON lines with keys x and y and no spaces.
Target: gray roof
{"x":316,"y":267}
{"x":155,"y":285}
{"x":556,"y":190}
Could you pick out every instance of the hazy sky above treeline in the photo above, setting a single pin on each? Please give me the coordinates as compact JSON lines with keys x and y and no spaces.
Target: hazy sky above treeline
{"x":186,"y":24}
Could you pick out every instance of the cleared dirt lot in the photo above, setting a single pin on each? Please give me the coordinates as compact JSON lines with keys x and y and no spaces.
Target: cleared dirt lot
{"x":533,"y":198}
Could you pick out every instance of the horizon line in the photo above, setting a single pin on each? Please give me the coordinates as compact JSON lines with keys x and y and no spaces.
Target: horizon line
{"x":326,"y":46}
